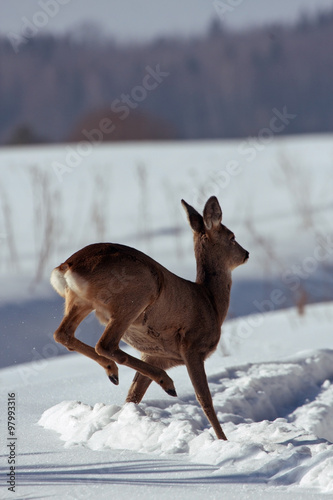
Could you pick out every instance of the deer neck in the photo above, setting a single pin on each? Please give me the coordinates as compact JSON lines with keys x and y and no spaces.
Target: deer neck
{"x":217,"y":281}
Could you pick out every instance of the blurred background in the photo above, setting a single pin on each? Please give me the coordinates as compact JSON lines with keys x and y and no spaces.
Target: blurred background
{"x":112,"y":111}
{"x":64,"y":62}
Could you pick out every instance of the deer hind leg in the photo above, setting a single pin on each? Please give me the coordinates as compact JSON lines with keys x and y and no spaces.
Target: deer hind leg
{"x":141,"y":383}
{"x":196,"y":370}
{"x":138,"y":388}
{"x":75,"y":312}
{"x":108,"y":346}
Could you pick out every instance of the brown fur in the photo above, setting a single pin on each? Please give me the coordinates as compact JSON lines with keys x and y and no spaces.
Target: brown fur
{"x":170,"y":320}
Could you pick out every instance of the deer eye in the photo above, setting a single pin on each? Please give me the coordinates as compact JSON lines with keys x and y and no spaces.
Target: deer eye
{"x":232,"y":238}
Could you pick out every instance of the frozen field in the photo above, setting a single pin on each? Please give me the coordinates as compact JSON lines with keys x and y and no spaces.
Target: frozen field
{"x":76,"y":439}
{"x":276,"y":197}
{"x":271,"y":376}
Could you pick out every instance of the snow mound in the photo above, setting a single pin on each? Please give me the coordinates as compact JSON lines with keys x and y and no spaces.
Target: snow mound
{"x":277,"y":416}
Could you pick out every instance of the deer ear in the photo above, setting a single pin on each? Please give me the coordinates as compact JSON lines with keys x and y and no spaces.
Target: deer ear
{"x":212,"y":214}
{"x":194,"y":218}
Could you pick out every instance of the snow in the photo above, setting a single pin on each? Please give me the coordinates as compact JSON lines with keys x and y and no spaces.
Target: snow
{"x":273,"y":413}
{"x":77,"y":437}
{"x":271,"y":376}
{"x":256,"y":404}
{"x":121,"y":191}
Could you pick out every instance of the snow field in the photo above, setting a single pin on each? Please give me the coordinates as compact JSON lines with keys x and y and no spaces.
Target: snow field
{"x":105,"y":199}
{"x":275,"y":406}
{"x":277,"y":416}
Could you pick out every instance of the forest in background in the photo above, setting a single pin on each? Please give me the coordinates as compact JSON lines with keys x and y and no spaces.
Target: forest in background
{"x":221,"y":85}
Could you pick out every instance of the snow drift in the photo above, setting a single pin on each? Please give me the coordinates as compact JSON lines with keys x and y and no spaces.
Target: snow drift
{"x":277,"y":415}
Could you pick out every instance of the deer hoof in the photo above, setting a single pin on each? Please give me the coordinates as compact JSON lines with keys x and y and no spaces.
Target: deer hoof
{"x":114,"y":379}
{"x":171,"y":392}
{"x":167,"y":381}
{"x":112,"y":372}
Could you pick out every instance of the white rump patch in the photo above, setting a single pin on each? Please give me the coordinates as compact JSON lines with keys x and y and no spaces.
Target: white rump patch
{"x":58,"y":281}
{"x":76,"y":283}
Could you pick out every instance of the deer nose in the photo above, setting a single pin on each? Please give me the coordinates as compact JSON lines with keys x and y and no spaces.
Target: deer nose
{"x":247,"y":255}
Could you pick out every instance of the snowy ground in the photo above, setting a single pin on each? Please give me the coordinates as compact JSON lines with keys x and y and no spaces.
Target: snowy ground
{"x":271,"y":376}
{"x":76,"y":438}
{"x":278,"y":201}
{"x":275,"y":195}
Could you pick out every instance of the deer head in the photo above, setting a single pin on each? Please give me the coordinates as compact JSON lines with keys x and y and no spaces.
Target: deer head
{"x":215,"y":246}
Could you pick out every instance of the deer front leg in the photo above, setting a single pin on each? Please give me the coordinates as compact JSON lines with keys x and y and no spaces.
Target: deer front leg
{"x":108,"y":346}
{"x":196,"y":370}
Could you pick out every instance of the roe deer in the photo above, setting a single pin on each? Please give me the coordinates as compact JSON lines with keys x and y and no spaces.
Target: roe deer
{"x":170,"y":320}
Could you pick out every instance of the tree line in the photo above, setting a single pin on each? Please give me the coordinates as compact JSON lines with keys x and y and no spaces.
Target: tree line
{"x":223,"y":84}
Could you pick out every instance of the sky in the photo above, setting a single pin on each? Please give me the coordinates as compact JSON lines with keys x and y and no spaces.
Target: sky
{"x":128,"y":20}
